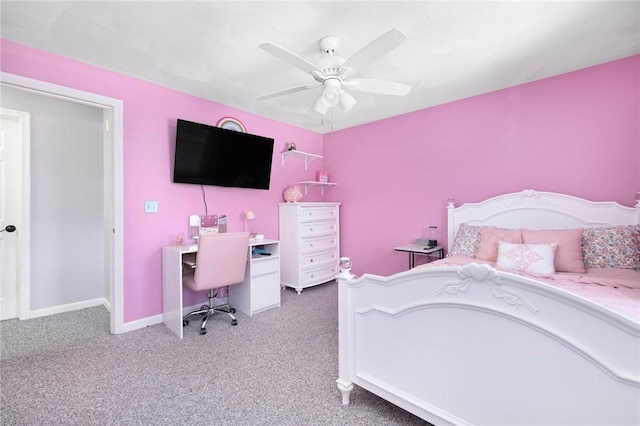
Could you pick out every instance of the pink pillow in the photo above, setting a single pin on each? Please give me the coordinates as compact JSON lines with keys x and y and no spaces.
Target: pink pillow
{"x":569,"y":251}
{"x":489,"y":238}
{"x":529,"y":258}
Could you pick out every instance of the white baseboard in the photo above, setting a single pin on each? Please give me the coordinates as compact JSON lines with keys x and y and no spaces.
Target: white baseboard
{"x":157,"y":319}
{"x":126,"y":327}
{"x":141,"y":323}
{"x":68,"y":307}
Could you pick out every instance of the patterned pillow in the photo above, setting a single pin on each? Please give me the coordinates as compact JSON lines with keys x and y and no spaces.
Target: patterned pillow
{"x":466,"y":241}
{"x":614,"y":247}
{"x":529,"y":258}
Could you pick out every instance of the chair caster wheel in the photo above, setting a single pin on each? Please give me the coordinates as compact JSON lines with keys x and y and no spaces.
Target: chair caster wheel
{"x":232,"y":310}
{"x":203,"y":331}
{"x":234,"y":322}
{"x":185,"y":323}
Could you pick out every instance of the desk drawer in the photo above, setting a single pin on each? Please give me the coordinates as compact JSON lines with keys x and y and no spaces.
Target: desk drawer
{"x":311,"y":245}
{"x":318,"y":213}
{"x":317,"y":229}
{"x":320,"y":275}
{"x":316,"y":259}
{"x":264,"y":266}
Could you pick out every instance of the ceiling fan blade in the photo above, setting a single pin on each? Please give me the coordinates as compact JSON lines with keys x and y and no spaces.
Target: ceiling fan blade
{"x":288,"y":91}
{"x":377,"y":86}
{"x":375,"y":50}
{"x":289,"y":57}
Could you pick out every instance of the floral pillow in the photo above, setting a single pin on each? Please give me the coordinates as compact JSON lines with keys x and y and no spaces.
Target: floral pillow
{"x":529,"y":258}
{"x":616,"y":247}
{"x":466,"y":241}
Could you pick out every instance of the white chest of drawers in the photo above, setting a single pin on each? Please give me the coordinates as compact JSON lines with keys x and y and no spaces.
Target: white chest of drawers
{"x":309,"y":243}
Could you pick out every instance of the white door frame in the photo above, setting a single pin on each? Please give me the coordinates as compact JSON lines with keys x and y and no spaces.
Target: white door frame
{"x":114,"y":170}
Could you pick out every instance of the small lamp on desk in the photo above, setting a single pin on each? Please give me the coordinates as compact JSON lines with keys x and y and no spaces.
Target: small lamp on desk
{"x":247,"y":217}
{"x":433,"y":236}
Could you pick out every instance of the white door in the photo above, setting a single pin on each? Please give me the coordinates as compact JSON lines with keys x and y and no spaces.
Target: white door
{"x":14,"y":134}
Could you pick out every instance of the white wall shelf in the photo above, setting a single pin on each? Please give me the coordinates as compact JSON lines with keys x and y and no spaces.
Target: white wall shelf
{"x":308,"y":157}
{"x":309,"y":183}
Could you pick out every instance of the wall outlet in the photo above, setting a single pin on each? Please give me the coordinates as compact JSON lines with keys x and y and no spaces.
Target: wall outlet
{"x":150,"y":206}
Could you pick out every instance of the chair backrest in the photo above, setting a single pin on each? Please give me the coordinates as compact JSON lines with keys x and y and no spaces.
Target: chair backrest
{"x":221,"y":260}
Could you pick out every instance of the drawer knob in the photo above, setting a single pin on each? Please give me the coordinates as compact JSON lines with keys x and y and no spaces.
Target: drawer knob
{"x":310,"y":260}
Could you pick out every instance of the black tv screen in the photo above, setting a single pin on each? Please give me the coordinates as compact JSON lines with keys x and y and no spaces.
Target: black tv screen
{"x":210,"y":155}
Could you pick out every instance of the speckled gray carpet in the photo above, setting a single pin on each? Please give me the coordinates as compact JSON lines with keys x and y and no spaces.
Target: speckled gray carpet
{"x":276,"y":368}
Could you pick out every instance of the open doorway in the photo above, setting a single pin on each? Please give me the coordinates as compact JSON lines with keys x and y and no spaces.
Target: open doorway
{"x":105,"y":214}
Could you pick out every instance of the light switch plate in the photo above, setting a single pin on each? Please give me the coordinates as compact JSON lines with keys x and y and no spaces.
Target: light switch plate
{"x":150,"y":206}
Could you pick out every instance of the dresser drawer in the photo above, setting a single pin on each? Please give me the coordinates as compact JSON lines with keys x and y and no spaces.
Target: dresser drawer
{"x":311,"y":245}
{"x":320,"y":275}
{"x":317,"y":229}
{"x":317,"y":259}
{"x":318,"y":213}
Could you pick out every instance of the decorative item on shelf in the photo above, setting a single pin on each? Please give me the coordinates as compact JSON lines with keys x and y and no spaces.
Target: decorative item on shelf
{"x":322,"y":176}
{"x":292,"y":147}
{"x":231,"y":123}
{"x":292,"y":194}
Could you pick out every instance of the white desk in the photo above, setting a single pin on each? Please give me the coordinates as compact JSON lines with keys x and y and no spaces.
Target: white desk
{"x":259,"y":291}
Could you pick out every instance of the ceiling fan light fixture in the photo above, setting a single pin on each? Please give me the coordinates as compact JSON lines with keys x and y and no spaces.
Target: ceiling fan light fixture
{"x":347,"y":101}
{"x":331,"y":92}
{"x":320,"y":105}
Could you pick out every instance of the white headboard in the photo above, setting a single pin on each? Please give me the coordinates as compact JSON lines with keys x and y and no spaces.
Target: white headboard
{"x":539,"y":210}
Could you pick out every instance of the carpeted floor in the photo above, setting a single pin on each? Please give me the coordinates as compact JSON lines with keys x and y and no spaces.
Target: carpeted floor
{"x":276,"y":368}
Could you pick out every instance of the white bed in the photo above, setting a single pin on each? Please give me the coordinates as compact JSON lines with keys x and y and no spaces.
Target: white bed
{"x":478,"y":345}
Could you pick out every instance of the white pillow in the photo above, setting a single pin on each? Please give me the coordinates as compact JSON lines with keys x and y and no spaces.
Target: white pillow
{"x":529,"y":258}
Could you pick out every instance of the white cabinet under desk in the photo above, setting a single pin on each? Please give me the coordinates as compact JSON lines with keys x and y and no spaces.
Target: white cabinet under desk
{"x":261,"y":287}
{"x":309,"y":243}
{"x":259,"y":291}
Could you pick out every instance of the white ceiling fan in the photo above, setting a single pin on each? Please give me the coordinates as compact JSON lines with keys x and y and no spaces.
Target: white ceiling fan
{"x":335,"y":74}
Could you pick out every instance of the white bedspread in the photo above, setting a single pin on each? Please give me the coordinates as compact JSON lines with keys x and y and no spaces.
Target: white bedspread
{"x":616,"y":289}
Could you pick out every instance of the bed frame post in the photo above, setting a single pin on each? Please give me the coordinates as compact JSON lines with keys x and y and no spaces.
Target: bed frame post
{"x":344,"y":330}
{"x":451,"y":229}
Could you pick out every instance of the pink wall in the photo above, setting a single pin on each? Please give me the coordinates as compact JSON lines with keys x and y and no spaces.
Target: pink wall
{"x":150,"y":114}
{"x":577,"y":133}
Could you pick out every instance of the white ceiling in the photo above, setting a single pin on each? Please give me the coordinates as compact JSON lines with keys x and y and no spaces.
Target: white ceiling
{"x":210,"y":48}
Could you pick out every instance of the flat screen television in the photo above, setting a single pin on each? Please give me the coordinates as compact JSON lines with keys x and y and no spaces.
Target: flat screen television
{"x":210,"y":155}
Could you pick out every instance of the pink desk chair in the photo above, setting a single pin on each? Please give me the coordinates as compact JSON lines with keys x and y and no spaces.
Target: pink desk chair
{"x":220,"y":262}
